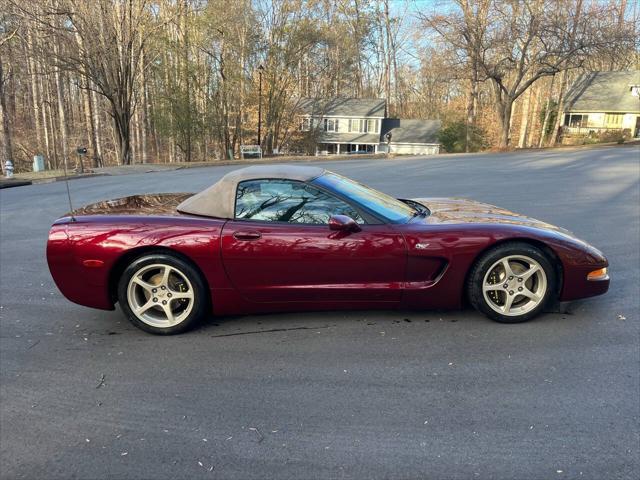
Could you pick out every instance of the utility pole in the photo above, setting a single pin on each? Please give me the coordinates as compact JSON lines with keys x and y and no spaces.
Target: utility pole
{"x":260,"y":69}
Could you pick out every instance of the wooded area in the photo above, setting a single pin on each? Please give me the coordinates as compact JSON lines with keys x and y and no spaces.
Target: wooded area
{"x":139,"y":81}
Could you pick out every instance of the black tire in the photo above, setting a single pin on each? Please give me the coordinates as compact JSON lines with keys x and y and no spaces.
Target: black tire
{"x":182,"y":274}
{"x":513,"y":252}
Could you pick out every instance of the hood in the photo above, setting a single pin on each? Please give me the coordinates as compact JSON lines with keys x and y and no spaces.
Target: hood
{"x":460,"y":210}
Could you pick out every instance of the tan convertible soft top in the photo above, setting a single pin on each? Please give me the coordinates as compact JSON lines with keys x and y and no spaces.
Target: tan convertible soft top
{"x":219,"y":199}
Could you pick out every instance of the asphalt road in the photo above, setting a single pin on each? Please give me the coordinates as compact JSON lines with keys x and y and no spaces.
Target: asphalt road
{"x":429,"y":395}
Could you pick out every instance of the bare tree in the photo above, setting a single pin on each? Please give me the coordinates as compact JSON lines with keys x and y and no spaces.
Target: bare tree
{"x":107,"y":53}
{"x":5,"y":133}
{"x":527,"y":40}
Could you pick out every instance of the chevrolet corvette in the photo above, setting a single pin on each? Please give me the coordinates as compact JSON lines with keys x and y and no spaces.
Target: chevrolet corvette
{"x":292,"y":238}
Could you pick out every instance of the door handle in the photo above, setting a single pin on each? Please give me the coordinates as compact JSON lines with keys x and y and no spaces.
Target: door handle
{"x":247,"y":235}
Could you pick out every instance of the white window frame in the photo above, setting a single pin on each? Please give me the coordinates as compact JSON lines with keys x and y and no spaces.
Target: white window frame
{"x":364,"y":125}
{"x":306,"y":124}
{"x":331,"y":122}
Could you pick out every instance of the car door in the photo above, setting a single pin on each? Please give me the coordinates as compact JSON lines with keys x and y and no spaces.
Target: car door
{"x":279,"y":248}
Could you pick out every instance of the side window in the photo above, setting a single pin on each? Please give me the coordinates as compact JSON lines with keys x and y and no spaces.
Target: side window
{"x":288,"y":201}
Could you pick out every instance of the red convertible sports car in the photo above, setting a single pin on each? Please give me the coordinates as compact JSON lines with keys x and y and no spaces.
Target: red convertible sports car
{"x":287,"y":238}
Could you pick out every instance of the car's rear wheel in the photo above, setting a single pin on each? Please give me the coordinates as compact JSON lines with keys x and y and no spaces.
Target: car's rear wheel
{"x":162,"y":294}
{"x":512,"y":283}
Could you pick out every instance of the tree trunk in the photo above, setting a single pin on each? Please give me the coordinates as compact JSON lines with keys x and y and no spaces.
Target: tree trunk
{"x":91,"y":129}
{"x":472,"y":106}
{"x":51,"y":123}
{"x":62,"y":119}
{"x":95,"y":130}
{"x":534,"y":119}
{"x":135,"y":138}
{"x":387,"y":78}
{"x":556,"y":125}
{"x":547,"y":114}
{"x":122,"y":123}
{"x":143,"y":109}
{"x":169,"y":85}
{"x":5,"y":132}
{"x":504,"y":120}
{"x":35,"y":94}
{"x":524,"y":119}
{"x":185,"y":66}
{"x":45,"y":130}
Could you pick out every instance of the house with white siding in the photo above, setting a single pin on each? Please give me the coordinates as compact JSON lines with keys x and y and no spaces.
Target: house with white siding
{"x":360,"y":125}
{"x":603,"y":101}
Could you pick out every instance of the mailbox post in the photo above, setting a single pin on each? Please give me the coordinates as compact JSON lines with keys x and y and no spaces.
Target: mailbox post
{"x":81,"y":151}
{"x":388,"y":137}
{"x":8,"y":169}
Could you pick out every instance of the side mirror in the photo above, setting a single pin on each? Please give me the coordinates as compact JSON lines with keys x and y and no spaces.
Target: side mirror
{"x":343,"y":223}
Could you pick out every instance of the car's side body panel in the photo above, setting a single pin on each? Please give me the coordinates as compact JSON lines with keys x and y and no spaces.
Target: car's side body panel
{"x":422,"y":264}
{"x":279,"y":262}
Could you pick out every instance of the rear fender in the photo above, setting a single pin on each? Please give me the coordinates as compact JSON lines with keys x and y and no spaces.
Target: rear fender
{"x":85,"y":256}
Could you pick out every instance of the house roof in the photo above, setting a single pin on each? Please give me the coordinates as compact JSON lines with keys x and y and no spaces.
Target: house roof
{"x":604,"y":92}
{"x":410,"y":131}
{"x":343,"y":107}
{"x":219,"y":199}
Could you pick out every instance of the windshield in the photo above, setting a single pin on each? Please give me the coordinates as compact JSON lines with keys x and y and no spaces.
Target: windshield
{"x":388,"y":207}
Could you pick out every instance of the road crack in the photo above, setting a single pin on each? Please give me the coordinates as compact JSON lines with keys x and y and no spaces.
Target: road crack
{"x":273,"y":330}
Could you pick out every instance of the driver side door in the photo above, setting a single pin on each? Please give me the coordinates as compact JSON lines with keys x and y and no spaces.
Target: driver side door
{"x":279,"y":248}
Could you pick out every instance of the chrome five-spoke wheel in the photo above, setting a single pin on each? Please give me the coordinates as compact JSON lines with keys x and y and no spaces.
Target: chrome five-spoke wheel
{"x":162,"y":293}
{"x":514,"y":285}
{"x":512,"y":282}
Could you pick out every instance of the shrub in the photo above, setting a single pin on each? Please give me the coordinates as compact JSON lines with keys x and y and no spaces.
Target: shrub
{"x":610,"y":136}
{"x":453,"y":137}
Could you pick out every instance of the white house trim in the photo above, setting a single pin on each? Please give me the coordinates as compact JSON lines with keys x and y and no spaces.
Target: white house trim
{"x":414,"y":143}
{"x":319,"y":115}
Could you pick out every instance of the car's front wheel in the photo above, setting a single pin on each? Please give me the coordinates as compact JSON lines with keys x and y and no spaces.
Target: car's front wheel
{"x":162,"y":294}
{"x":512,"y":283}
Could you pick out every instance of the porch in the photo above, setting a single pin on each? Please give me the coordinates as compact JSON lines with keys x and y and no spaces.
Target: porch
{"x":345,"y":148}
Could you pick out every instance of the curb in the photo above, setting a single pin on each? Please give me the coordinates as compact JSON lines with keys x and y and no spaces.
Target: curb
{"x":14,"y":183}
{"x":585,"y":146}
{"x":249,"y":162}
{"x":4,"y":183}
{"x":39,"y":181}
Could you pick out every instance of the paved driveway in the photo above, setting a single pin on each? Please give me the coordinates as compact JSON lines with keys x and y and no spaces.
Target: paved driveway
{"x":431,"y":395}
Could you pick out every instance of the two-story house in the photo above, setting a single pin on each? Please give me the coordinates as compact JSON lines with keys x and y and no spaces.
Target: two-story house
{"x":343,"y":125}
{"x":350,"y":125}
{"x":601,"y":101}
